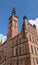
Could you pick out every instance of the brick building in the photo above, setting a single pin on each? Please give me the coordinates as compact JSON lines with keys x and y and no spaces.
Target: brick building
{"x":19,"y":48}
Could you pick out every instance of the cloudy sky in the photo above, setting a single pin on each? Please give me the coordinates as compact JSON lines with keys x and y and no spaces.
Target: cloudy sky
{"x":34,"y":22}
{"x":2,"y":38}
{"x":28,"y":8}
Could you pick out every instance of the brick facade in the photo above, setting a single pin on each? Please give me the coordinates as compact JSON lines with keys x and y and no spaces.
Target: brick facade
{"x":19,"y":48}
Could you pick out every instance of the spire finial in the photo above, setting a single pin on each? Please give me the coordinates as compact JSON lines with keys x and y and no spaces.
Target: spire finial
{"x":24,"y":17}
{"x":13,"y":11}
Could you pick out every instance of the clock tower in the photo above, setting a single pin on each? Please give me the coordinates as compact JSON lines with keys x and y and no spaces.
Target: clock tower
{"x":13,"y":25}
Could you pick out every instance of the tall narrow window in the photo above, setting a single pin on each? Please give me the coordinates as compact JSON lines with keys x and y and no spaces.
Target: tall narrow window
{"x":35,"y":50}
{"x":12,"y":52}
{"x":16,"y":51}
{"x":37,"y":60}
{"x":30,"y":37}
{"x":0,"y":57}
{"x":34,"y":61}
{"x":19,"y":50}
{"x":32,"y":49}
{"x":19,"y":40}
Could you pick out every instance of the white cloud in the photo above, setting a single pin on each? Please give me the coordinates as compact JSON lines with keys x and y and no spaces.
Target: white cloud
{"x":34,"y":22}
{"x":2,"y":38}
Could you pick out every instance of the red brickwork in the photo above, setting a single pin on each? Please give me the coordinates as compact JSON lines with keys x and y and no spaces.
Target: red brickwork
{"x":19,"y":48}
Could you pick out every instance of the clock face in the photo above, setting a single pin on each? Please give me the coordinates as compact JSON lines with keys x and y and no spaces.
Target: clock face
{"x":25,"y":31}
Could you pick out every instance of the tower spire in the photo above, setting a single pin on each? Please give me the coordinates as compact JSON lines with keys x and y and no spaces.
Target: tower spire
{"x":13,"y":25}
{"x":13,"y":11}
